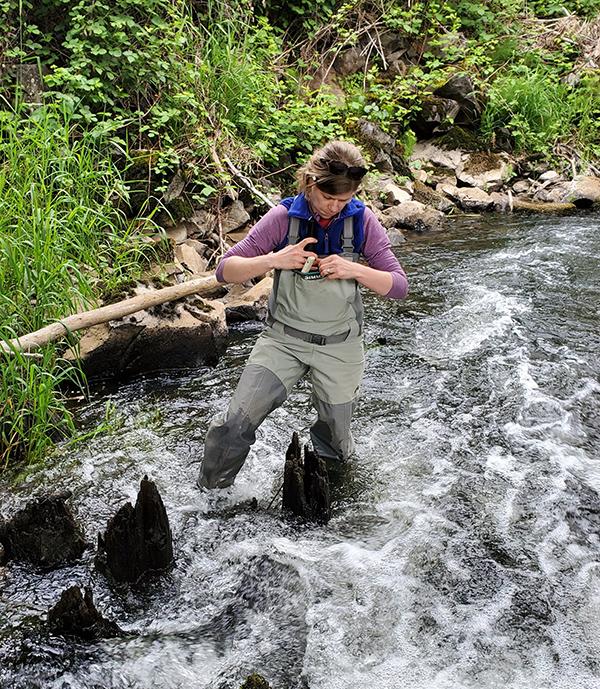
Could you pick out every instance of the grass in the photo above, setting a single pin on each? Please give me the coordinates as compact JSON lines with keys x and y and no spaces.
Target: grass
{"x":60,"y":237}
{"x":541,"y":111}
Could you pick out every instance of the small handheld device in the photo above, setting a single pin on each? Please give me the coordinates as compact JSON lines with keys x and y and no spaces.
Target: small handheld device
{"x":308,"y":264}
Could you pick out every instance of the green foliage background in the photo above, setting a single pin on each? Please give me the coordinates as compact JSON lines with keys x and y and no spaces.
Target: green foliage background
{"x":185,"y":85}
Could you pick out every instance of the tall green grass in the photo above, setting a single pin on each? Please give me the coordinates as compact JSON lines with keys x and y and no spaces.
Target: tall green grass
{"x":60,"y":238}
{"x":531,"y":104}
{"x":541,"y":111}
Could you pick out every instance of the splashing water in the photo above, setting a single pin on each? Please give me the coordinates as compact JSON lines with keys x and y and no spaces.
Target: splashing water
{"x":464,"y":550}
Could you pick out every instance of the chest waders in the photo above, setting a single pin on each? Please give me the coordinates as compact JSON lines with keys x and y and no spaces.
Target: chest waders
{"x":314,"y":328}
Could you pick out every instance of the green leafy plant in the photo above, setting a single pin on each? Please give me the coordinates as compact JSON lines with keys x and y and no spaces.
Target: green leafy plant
{"x":60,"y":237}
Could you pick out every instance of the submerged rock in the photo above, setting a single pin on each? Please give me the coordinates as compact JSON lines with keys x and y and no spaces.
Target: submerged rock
{"x":44,"y":533}
{"x":137,"y":539}
{"x":76,"y":615}
{"x":255,"y":681}
{"x":306,"y":484}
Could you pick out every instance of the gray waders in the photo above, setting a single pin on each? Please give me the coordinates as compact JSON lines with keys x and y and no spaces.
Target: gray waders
{"x":314,"y":328}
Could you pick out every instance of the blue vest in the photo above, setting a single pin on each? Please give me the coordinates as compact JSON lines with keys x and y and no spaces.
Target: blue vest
{"x":331,"y":238}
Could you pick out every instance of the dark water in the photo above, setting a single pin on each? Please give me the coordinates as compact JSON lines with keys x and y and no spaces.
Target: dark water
{"x":464,"y":551}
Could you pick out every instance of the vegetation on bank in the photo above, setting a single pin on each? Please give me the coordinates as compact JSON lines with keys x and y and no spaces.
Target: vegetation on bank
{"x":63,"y":242}
{"x":188,"y":86}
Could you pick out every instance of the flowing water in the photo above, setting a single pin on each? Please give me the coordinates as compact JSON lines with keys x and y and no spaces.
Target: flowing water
{"x":464,"y":548}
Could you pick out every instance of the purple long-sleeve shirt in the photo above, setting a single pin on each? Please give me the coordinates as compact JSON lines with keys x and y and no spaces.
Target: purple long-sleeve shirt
{"x":270,"y":231}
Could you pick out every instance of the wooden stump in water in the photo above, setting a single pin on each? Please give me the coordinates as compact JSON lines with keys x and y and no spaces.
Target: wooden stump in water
{"x":76,"y":615}
{"x":305,"y":484}
{"x":137,"y":539}
{"x":44,"y":533}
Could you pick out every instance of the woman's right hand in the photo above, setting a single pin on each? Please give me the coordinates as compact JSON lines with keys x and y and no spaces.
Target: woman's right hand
{"x":293,"y":256}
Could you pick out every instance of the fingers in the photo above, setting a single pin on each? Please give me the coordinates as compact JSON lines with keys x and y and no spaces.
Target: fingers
{"x":303,"y":242}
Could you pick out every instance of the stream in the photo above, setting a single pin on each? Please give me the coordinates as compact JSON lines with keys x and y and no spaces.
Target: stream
{"x":464,"y":547}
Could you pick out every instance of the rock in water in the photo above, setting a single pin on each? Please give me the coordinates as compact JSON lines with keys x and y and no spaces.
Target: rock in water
{"x":255,"y":681}
{"x":137,"y":540}
{"x":44,"y":533}
{"x":306,"y":484}
{"x":76,"y":615}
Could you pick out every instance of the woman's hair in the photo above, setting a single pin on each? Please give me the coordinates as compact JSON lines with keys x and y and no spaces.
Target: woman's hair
{"x":316,"y":171}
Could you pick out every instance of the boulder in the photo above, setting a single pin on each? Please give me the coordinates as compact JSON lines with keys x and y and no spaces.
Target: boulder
{"x":460,"y":88}
{"x":393,"y":194}
{"x":474,"y":199}
{"x":201,"y":224}
{"x":488,"y":171}
{"x":583,"y":191}
{"x":503,"y":203}
{"x":469,"y":199}
{"x":521,"y":186}
{"x":137,"y":539}
{"x":350,"y":61}
{"x":189,"y":257}
{"x":305,"y":484}
{"x":372,"y":135}
{"x":178,"y":233}
{"x":383,"y":162}
{"x":436,"y":115}
{"x":550,"y":175}
{"x":430,"y":155}
{"x":243,"y":304}
{"x":395,"y":236}
{"x":414,"y":216}
{"x":424,"y":194}
{"x":43,"y":533}
{"x":76,"y":615}
{"x":234,"y":217}
{"x":190,"y":332}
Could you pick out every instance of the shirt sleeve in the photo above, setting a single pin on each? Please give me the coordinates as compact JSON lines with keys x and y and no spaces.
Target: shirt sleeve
{"x":269,"y":232}
{"x":377,"y":250}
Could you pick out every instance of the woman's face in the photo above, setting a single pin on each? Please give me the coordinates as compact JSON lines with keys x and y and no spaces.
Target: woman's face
{"x":324,"y":204}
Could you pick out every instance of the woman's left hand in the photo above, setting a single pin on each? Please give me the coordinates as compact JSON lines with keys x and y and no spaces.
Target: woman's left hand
{"x":335,"y":267}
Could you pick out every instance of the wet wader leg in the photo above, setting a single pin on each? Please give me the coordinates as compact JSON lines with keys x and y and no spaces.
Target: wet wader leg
{"x":330,"y":435}
{"x":229,"y":436}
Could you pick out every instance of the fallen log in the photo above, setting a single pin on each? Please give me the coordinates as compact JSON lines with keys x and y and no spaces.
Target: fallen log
{"x":87,"y":319}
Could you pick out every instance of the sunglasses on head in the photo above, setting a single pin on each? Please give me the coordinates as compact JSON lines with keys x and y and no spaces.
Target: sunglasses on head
{"x":337,"y":167}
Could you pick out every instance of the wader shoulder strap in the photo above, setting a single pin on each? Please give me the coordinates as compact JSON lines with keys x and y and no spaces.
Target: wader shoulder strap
{"x":348,"y":235}
{"x":294,"y":230}
{"x":348,"y":239}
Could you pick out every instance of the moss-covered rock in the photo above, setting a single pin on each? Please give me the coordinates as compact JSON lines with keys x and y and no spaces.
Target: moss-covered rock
{"x":460,"y":138}
{"x":255,"y":681}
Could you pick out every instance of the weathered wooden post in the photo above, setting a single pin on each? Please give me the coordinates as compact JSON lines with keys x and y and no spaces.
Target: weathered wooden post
{"x":306,"y":484}
{"x":137,"y":539}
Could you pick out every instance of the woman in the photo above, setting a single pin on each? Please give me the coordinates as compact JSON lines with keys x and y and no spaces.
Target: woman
{"x":314,"y":324}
